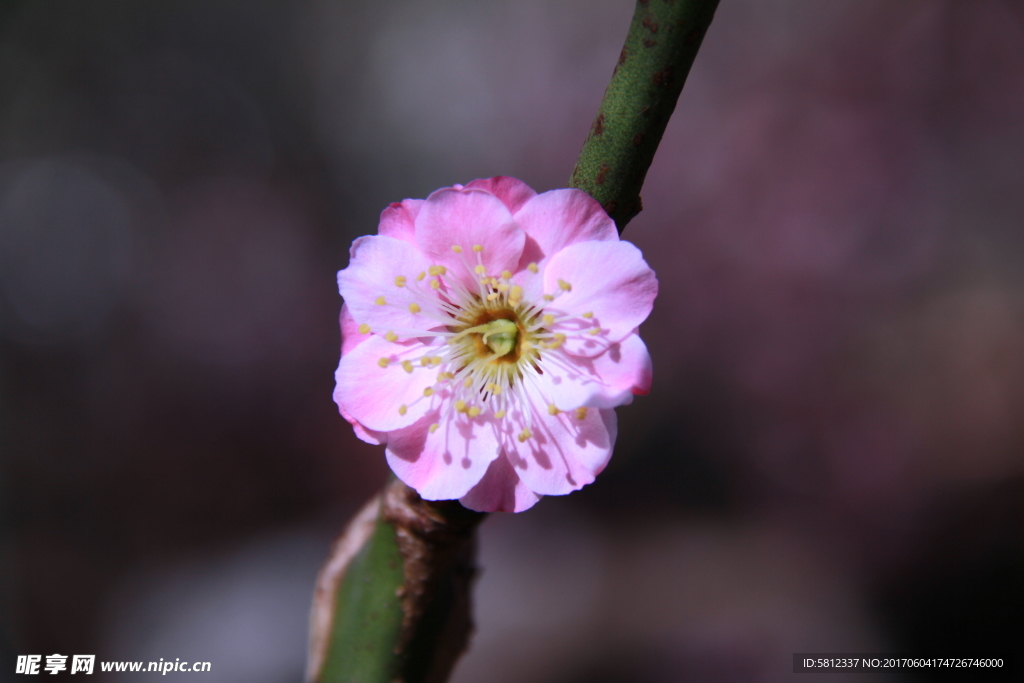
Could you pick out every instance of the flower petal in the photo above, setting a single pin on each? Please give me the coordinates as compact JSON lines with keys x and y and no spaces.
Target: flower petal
{"x":500,"y":490}
{"x":564,"y":452}
{"x":350,"y":335}
{"x":466,"y":218}
{"x":447,"y":462}
{"x":371,"y":291}
{"x":610,"y":281}
{"x":606,"y":380}
{"x":555,"y":219}
{"x":373,"y":395}
{"x":399,"y":220}
{"x":512,"y":192}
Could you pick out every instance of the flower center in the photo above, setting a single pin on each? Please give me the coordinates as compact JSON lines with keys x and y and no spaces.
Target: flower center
{"x":499,"y":335}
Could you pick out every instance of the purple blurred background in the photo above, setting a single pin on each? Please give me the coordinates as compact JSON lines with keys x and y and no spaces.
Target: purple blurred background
{"x":831,"y":459}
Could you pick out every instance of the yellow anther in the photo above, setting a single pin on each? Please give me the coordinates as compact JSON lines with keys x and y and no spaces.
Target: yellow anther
{"x":414,"y":308}
{"x":502,"y":286}
{"x":420,"y":277}
{"x":499,"y":414}
{"x":492,"y":296}
{"x":524,"y":435}
{"x":457,"y":249}
{"x":548,"y":297}
{"x":473,"y":412}
{"x":438,"y":270}
{"x":364,"y":328}
{"x":425,"y":361}
{"x":435,"y":284}
{"x":468,"y":383}
{"x":478,"y":248}
{"x":460,"y":406}
{"x":428,"y":392}
{"x":596,"y":330}
{"x":434,"y":427}
{"x":564,"y":286}
{"x":588,"y":315}
{"x":380,"y":301}
{"x":553,"y":409}
{"x":407,"y":365}
{"x":480,"y":270}
{"x":400,"y":281}
{"x":532,"y":268}
{"x":549,"y":319}
{"x":507,"y":274}
{"x":581,"y":413}
{"x":515,"y":294}
{"x":403,"y":409}
{"x":445,"y":375}
{"x":557,"y":341}
{"x":493,"y":282}
{"x":435,"y":360}
{"x":494,"y":388}
{"x":391,"y":336}
{"x":383,"y":362}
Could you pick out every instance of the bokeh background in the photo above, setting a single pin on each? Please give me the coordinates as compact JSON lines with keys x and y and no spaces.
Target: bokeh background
{"x":831,"y":458}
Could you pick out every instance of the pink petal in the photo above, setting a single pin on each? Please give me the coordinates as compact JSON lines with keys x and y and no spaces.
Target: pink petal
{"x":375,"y":264}
{"x":612,"y":281}
{"x":364,"y":434}
{"x":447,"y":463}
{"x":372,"y":395}
{"x":606,"y":380}
{"x":512,"y":192}
{"x":350,"y":335}
{"x":556,"y":219}
{"x":466,"y":218}
{"x":399,"y":220}
{"x":564,"y":452}
{"x":501,"y":490}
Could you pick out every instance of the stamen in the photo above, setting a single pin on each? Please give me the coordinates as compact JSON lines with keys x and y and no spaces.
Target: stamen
{"x":391,"y":336}
{"x":414,"y":308}
{"x":457,"y":249}
{"x":434,"y":284}
{"x":581,"y":413}
{"x":525,"y":434}
{"x":419,"y":278}
{"x":548,"y":319}
{"x":553,"y":409}
{"x":400,"y":281}
{"x":564,"y":286}
{"x":380,"y":301}
{"x":478,"y":248}
{"x":588,"y":315}
{"x":383,"y":362}
{"x":407,"y":365}
{"x":499,"y":414}
{"x":364,"y":328}
{"x":507,"y":274}
{"x":434,"y":427}
{"x":403,"y":409}
{"x":460,"y":406}
{"x":473,"y":412}
{"x":428,"y":392}
{"x":479,"y":270}
{"x":438,"y":270}
{"x":533,"y":268}
{"x":596,"y":330}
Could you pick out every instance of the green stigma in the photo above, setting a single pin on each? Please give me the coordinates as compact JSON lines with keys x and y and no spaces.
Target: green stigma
{"x":499,"y":335}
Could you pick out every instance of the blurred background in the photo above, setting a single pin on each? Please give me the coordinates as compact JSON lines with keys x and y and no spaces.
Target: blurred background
{"x":831,"y":458}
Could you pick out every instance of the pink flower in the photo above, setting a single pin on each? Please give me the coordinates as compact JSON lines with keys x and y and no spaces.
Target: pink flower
{"x":488,"y":333}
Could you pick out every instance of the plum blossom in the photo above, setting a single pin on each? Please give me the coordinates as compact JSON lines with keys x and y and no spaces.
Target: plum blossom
{"x":488,"y":333}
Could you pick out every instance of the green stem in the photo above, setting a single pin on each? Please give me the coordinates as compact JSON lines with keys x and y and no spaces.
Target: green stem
{"x":660,"y":47}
